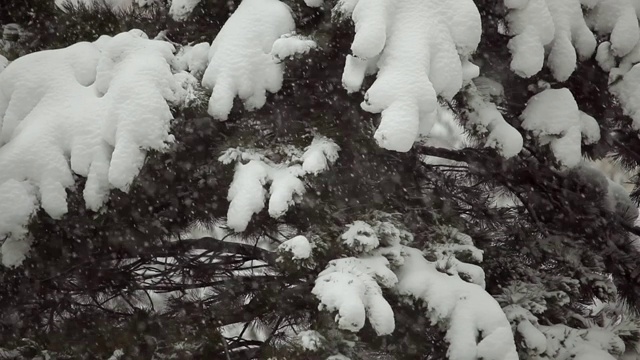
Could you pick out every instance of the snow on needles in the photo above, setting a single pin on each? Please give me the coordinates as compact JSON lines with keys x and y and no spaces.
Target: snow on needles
{"x":247,"y":192}
{"x":420,"y":48}
{"x":92,"y":109}
{"x":553,"y":116}
{"x":241,"y":63}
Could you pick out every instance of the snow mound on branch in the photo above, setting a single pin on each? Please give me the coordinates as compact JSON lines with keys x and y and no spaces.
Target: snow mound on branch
{"x":553,"y":116}
{"x":360,"y":236}
{"x":627,"y":90}
{"x":180,"y":9}
{"x":557,"y":25}
{"x":289,"y":45}
{"x":478,"y":328}
{"x":4,"y":62}
{"x":348,"y":287}
{"x":420,"y":48}
{"x":319,"y":155}
{"x":240,"y":57}
{"x":485,"y":118}
{"x":92,"y":109}
{"x":618,"y":19}
{"x":298,"y":246}
{"x":194,"y":59}
{"x":247,"y":192}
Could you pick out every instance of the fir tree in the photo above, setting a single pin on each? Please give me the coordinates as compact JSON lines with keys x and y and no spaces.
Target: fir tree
{"x":327,"y":215}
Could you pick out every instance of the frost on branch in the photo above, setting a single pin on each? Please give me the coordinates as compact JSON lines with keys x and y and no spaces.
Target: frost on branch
{"x":553,"y":116}
{"x":240,"y":57}
{"x":420,"y":49}
{"x":247,"y":192}
{"x":92,"y":109}
{"x":557,"y":25}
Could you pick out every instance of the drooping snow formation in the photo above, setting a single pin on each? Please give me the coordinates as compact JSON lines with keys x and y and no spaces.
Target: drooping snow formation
{"x":420,"y":49}
{"x":351,"y":288}
{"x":553,"y":116}
{"x":485,"y":118}
{"x":180,"y":9}
{"x":247,"y":193}
{"x":241,"y":61}
{"x":92,"y":109}
{"x":556,"y":24}
{"x":299,"y":247}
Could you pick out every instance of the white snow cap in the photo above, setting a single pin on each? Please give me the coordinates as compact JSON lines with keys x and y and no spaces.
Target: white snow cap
{"x":420,"y":48}
{"x":484,"y":116}
{"x":247,"y":192}
{"x":180,"y":9}
{"x":349,"y":287}
{"x":289,"y":45}
{"x":558,"y":25}
{"x":298,"y":246}
{"x":553,"y":116}
{"x":92,"y":109}
{"x":240,"y":57}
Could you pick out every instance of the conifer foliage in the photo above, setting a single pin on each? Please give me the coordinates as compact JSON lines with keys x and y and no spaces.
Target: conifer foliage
{"x":352,"y":179}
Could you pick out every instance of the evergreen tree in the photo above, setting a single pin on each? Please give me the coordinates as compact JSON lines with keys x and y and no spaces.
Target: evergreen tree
{"x":442,"y":206}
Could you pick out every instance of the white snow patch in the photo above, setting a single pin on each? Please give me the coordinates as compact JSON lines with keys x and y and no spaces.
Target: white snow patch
{"x":360,"y":236}
{"x":317,"y":156}
{"x":311,"y":340}
{"x":289,"y":45}
{"x":553,"y":116}
{"x":93,"y":109}
{"x":299,"y":247}
{"x":181,"y":9}
{"x":240,"y":56}
{"x":419,"y":47}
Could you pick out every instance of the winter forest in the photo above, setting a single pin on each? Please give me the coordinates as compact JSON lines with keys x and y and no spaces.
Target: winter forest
{"x":320,"y":179}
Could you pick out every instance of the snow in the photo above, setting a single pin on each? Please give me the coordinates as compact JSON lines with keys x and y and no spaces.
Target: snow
{"x":299,"y":247}
{"x":181,"y":9}
{"x":477,"y":325}
{"x":484,"y":116}
{"x":558,"y":25}
{"x":360,"y":236}
{"x":337,"y":357}
{"x":114,"y":4}
{"x":627,"y":90}
{"x":317,"y":156}
{"x":553,"y":116}
{"x":193,"y":58}
{"x":247,"y":192}
{"x":289,"y":45}
{"x":240,"y":56}
{"x":311,"y":340}
{"x":419,"y":48}
{"x":618,"y":19}
{"x":347,"y":286}
{"x":71,"y":111}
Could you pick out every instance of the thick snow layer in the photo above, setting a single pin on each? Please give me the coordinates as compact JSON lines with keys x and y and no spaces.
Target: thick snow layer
{"x":484,"y":117}
{"x":319,"y":155}
{"x":193,"y":59}
{"x":477,"y":326}
{"x":627,"y":90}
{"x":420,"y":48}
{"x":289,"y":45}
{"x":247,"y":192}
{"x":240,"y":57}
{"x":348,"y":287}
{"x":299,"y":247}
{"x":557,"y":25}
{"x":360,"y":236}
{"x":92,"y":109}
{"x":619,"y":20}
{"x":180,"y":9}
{"x":553,"y":116}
